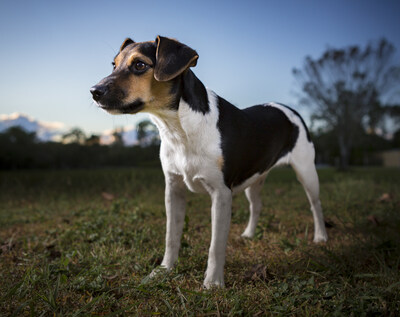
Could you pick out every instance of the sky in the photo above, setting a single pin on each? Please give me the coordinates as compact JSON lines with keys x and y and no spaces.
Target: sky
{"x":52,"y":52}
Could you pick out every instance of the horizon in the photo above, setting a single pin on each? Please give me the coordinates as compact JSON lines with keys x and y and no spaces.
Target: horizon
{"x":54,"y":52}
{"x":54,"y":131}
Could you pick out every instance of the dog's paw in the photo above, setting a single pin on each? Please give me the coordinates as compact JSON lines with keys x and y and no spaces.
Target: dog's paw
{"x":247,"y":234}
{"x":158,"y":272}
{"x":216,"y":281}
{"x":213,"y":284}
{"x":319,"y":238}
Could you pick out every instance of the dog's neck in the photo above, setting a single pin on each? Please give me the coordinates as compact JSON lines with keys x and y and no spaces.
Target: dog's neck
{"x":181,"y":121}
{"x":191,"y":98}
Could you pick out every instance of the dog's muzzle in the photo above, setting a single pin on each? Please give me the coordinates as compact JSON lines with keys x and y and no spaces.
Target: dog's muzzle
{"x":110,"y":100}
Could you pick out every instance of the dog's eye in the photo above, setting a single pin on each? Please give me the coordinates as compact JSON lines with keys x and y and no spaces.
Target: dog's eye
{"x":113,"y":65}
{"x":139,"y":66}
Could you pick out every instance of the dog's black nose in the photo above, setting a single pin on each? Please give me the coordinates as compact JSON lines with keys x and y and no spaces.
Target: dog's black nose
{"x":98,"y":92}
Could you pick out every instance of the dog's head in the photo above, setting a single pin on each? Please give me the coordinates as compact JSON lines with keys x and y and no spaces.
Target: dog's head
{"x":145,"y":76}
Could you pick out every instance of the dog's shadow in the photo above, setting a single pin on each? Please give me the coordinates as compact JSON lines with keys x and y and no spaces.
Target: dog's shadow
{"x":370,"y":248}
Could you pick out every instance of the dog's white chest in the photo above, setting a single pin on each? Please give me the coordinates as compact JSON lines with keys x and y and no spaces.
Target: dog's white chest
{"x":190,"y":145}
{"x":187,"y":162}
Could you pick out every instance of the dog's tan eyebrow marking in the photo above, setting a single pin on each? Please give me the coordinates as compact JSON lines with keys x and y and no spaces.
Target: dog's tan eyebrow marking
{"x":117,"y":59}
{"x":141,"y":57}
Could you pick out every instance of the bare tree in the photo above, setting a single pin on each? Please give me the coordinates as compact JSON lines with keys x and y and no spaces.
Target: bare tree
{"x":348,"y":90}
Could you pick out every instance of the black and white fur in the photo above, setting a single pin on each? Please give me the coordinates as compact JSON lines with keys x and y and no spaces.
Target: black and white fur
{"x":210,"y":146}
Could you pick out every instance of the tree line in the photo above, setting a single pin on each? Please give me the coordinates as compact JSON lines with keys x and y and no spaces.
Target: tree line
{"x":22,"y":150}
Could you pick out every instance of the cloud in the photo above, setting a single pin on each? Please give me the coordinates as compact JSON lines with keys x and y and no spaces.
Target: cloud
{"x":45,"y":131}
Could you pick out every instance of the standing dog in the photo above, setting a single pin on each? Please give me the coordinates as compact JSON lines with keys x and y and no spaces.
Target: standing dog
{"x":207,"y":144}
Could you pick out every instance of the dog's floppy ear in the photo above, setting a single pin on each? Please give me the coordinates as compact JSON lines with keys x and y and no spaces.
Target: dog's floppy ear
{"x":172,"y":58}
{"x":127,"y":42}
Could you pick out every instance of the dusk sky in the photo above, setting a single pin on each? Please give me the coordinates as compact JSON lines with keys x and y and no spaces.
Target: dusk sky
{"x":52,"y":52}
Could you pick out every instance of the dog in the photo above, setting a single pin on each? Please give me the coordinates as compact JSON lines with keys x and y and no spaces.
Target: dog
{"x":207,"y":144}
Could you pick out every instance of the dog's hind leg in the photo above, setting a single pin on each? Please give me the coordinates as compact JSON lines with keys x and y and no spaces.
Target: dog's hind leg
{"x":253,"y":196}
{"x":302,"y":162}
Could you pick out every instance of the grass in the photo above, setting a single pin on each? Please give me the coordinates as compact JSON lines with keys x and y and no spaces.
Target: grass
{"x":78,"y":243}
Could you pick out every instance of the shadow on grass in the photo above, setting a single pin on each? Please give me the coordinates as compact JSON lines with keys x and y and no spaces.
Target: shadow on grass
{"x":355,"y":272}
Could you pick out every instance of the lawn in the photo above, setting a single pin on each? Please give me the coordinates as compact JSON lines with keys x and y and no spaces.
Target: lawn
{"x":82,"y":242}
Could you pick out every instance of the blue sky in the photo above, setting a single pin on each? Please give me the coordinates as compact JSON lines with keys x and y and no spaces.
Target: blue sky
{"x":52,"y":52}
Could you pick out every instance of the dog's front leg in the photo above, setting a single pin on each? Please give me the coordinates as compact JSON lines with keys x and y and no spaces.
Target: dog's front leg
{"x":175,"y":209}
{"x":175,"y":193}
{"x":220,"y":221}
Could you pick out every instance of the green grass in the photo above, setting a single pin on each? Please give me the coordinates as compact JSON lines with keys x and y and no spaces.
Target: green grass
{"x":67,"y":250}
